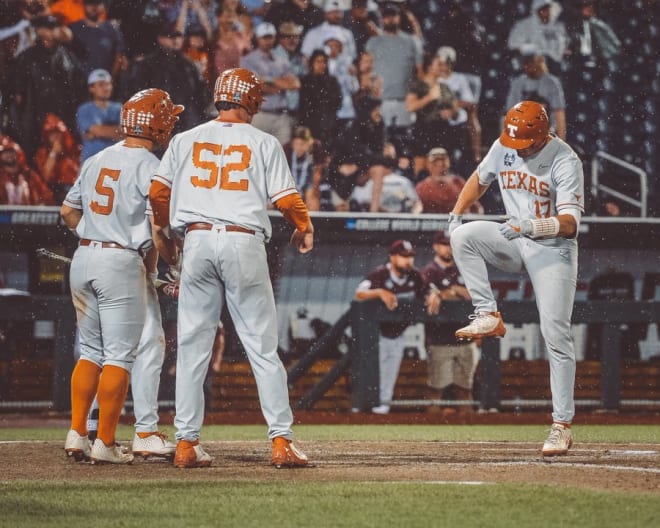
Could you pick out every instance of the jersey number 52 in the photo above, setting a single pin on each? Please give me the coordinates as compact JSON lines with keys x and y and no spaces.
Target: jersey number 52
{"x":202,"y":160}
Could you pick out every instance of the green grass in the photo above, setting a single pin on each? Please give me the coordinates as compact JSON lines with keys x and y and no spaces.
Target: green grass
{"x":351,"y":505}
{"x":413,"y":433}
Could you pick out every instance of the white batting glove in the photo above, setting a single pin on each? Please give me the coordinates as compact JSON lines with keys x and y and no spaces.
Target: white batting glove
{"x":153,"y":277}
{"x":173,"y":273}
{"x":454,"y":222}
{"x":514,"y":228}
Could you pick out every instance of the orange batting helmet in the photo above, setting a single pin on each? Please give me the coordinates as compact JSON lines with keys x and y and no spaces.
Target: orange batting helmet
{"x":525,"y":124}
{"x":150,"y":114}
{"x":241,"y":87}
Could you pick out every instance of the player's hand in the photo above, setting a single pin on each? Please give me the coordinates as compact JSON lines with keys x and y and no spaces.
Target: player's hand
{"x":389,"y":299}
{"x":153,"y":277}
{"x":303,"y":240}
{"x":454,"y":221}
{"x":514,"y":228}
{"x":433,"y":302}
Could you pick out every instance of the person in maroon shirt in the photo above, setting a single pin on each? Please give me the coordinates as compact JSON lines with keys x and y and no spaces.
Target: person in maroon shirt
{"x":451,"y":365}
{"x":396,"y":281}
{"x":440,"y":189}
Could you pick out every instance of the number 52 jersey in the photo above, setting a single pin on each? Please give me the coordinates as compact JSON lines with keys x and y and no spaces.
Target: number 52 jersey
{"x":224,"y":173}
{"x":112,"y":191}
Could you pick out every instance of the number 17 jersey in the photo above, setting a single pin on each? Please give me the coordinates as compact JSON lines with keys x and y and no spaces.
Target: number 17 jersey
{"x":224,"y":173}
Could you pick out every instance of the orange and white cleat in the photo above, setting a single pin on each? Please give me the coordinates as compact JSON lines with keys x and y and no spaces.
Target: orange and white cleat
{"x":285,"y":454}
{"x":484,"y":324}
{"x":191,"y":455}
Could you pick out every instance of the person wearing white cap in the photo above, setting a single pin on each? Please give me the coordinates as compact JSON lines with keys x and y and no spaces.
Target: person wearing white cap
{"x":98,"y":120}
{"x":316,"y":37}
{"x":278,"y":77}
{"x":541,"y":29}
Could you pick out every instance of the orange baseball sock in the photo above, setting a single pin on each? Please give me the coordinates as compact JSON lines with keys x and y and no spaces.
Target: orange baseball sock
{"x":113,"y":386}
{"x":84,"y":382}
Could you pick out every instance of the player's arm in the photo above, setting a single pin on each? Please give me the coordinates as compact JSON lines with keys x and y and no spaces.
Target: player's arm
{"x":295,"y":212}
{"x":365,"y":293}
{"x":471,"y":192}
{"x":71,"y":216}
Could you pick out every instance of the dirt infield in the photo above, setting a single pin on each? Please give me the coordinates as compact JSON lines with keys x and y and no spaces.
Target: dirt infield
{"x":632,"y":467}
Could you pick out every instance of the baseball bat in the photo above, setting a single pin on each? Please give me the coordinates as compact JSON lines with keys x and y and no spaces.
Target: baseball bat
{"x":43,"y":252}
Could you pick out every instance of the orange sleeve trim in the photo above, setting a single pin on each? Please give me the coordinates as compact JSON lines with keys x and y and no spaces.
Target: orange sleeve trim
{"x":159,"y":196}
{"x":294,"y":210}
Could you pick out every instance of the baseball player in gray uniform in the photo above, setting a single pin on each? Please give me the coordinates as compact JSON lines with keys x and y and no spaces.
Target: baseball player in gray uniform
{"x":109,"y":276}
{"x":212,"y":188}
{"x":542,"y":186}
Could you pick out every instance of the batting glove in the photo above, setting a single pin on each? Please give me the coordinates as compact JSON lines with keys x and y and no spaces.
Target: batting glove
{"x":454,"y":222}
{"x":152,"y":277}
{"x":515,"y":228}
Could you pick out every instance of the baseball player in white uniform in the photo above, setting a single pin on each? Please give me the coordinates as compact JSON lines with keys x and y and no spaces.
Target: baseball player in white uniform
{"x":542,"y":186}
{"x":113,"y":296}
{"x":212,"y":188}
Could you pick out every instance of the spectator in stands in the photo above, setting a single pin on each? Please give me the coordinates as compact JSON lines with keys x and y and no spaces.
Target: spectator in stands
{"x":169,"y":69}
{"x":97,"y":43}
{"x":98,"y":119}
{"x":459,"y":84}
{"x":46,"y":77}
{"x":591,"y":40}
{"x":333,"y":186}
{"x":448,"y":23}
{"x":187,"y":14}
{"x":371,"y":84}
{"x":257,"y":9}
{"x":424,"y":98}
{"x":315,"y":38}
{"x":397,"y":60}
{"x":320,"y":98}
{"x":58,"y":156}
{"x":244,"y":18}
{"x":19,"y":184}
{"x":397,"y":193}
{"x":536,"y":84}
{"x":451,"y":365}
{"x":231,"y":42}
{"x":362,"y":23}
{"x":278,"y":76}
{"x":542,"y":30}
{"x":139,"y":21}
{"x":289,"y":37}
{"x":301,"y":12}
{"x":68,"y":11}
{"x":440,"y":189}
{"x":195,"y":47}
{"x":303,"y":154}
{"x":409,"y":22}
{"x":343,"y":70}
{"x":396,"y":281}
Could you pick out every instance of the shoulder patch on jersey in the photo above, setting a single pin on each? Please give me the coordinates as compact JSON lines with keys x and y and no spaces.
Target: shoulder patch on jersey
{"x":509,"y":159}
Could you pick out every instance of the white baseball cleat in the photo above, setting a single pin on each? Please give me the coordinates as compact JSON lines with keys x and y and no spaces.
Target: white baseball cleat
{"x":381,"y":409}
{"x":559,"y":440}
{"x":153,"y":444}
{"x":484,"y":324}
{"x":102,"y":454}
{"x":77,"y":446}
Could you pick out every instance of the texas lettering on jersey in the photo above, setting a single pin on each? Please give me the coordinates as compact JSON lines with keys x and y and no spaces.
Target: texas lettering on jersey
{"x":511,"y":179}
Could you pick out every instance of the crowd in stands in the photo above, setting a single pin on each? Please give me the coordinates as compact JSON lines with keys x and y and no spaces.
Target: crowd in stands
{"x":382,"y":106}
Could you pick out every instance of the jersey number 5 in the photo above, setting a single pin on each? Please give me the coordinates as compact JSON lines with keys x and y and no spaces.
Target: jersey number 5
{"x":213,"y":169}
{"x":108,"y":192}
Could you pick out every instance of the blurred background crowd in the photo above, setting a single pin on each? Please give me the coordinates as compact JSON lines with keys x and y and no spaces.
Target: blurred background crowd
{"x":381,"y":106}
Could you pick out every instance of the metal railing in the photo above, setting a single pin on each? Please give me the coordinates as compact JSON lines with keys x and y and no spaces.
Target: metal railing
{"x":597,"y":186}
